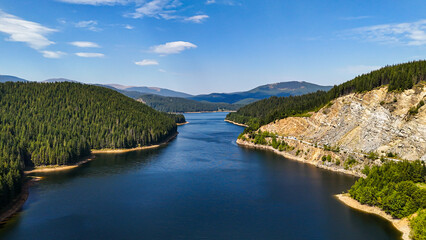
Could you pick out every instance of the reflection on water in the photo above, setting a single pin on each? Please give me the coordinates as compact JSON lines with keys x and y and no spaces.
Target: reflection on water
{"x":200,"y":186}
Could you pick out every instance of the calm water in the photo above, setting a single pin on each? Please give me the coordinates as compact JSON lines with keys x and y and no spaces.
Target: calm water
{"x":200,"y":186}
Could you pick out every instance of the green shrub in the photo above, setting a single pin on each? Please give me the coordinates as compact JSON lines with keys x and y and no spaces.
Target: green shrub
{"x":418,"y":226}
{"x":392,"y":187}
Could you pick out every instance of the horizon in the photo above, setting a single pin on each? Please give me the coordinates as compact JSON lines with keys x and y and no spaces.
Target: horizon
{"x":124,"y":87}
{"x":201,"y":47}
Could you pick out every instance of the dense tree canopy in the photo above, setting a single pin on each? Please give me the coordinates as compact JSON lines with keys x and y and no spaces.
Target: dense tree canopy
{"x":180,"y":105}
{"x":398,"y":77}
{"x":58,"y":123}
{"x":399,"y":189}
{"x":393,"y":187}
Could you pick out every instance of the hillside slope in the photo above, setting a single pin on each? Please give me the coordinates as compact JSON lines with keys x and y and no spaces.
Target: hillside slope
{"x":181,"y":105}
{"x":8,"y":78}
{"x":58,"y":123}
{"x":149,"y":90}
{"x":282,"y":89}
{"x":397,"y":77}
{"x":377,"y":121}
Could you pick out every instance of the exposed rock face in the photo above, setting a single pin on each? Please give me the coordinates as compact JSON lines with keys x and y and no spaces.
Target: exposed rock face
{"x":376,"y":121}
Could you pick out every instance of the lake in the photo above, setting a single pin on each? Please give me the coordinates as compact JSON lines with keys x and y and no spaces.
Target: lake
{"x":202,"y":185}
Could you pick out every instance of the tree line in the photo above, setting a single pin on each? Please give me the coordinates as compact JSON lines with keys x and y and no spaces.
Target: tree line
{"x":398,"y":78}
{"x":398,"y":188}
{"x":180,"y":105}
{"x":58,"y":123}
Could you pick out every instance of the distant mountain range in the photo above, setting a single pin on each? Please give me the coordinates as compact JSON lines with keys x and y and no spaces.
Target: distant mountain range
{"x":282,"y":89}
{"x":181,"y":105}
{"x":150,"y":90}
{"x":7,"y":78}
{"x":52,"y":80}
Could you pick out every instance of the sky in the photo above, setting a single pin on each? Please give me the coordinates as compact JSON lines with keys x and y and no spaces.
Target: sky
{"x":204,"y":46}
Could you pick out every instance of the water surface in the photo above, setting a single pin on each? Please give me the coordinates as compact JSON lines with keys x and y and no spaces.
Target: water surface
{"x":200,"y":186}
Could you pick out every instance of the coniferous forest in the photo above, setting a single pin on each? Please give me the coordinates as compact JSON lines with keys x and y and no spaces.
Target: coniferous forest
{"x":180,"y":105}
{"x":58,"y":123}
{"x":399,"y":189}
{"x":397,"y":77}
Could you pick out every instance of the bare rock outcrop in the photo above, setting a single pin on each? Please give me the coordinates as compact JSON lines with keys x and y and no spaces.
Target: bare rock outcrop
{"x":376,"y":121}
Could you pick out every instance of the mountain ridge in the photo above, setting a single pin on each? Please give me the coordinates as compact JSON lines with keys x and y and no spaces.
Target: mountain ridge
{"x":280,"y":89}
{"x":9,"y":78}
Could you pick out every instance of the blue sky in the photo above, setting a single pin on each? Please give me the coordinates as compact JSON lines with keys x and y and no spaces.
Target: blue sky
{"x":207,"y":46}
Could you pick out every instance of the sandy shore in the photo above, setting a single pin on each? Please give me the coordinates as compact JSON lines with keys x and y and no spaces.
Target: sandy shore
{"x":235,"y":123}
{"x":180,"y":124}
{"x":123,"y":150}
{"x":401,"y":224}
{"x":56,"y":168}
{"x":296,"y":158}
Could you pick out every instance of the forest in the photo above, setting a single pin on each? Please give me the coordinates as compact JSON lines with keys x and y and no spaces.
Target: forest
{"x":58,"y":123}
{"x":398,"y":188}
{"x":397,"y":77}
{"x":181,"y":105}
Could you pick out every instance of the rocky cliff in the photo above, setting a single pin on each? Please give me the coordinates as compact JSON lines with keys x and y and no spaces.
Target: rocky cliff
{"x":359,"y":126}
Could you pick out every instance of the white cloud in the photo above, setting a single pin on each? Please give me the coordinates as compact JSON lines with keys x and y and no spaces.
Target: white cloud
{"x":90,"y":25}
{"x":130,"y":27}
{"x":96,"y":2}
{"x":172,"y":47}
{"x":197,"y":18}
{"x":90,"y":55}
{"x":161,"y":9}
{"x":210,"y":1}
{"x":355,"y":18}
{"x":83,"y":44}
{"x":162,"y":70}
{"x":20,"y":30}
{"x":52,"y":54}
{"x":413,"y":33}
{"x":358,"y":69}
{"x":147,"y":62}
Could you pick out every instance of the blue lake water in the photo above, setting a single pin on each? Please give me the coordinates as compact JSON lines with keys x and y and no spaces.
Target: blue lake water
{"x":200,"y":186}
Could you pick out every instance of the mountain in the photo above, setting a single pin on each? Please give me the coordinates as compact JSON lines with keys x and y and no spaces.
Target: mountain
{"x":7,"y":78}
{"x":372,"y":127}
{"x":58,"y":123}
{"x":397,"y":77}
{"x":282,"y":89}
{"x":53,"y":80}
{"x":150,"y":90}
{"x":180,"y":105}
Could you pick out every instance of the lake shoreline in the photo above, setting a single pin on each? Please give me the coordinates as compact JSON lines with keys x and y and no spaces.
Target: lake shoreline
{"x":16,"y":205}
{"x":58,"y":168}
{"x":235,"y":123}
{"x":20,"y":200}
{"x":402,"y":225}
{"x":296,"y":158}
{"x":124,"y":150}
{"x":211,"y":111}
{"x":180,"y":124}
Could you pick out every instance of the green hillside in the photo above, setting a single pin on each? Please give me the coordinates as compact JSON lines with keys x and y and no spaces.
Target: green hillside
{"x":58,"y":123}
{"x":180,"y":105}
{"x":282,"y":89}
{"x":398,"y":77}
